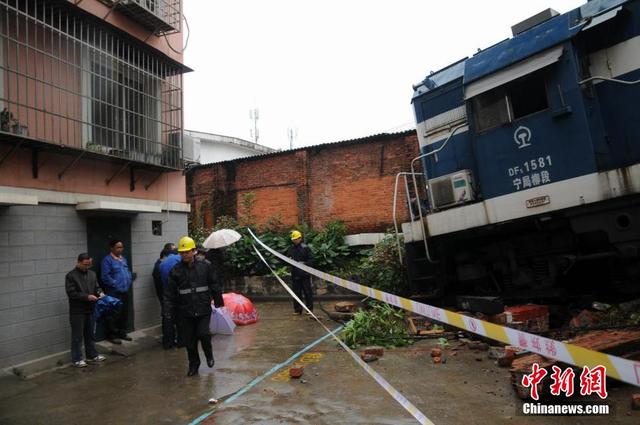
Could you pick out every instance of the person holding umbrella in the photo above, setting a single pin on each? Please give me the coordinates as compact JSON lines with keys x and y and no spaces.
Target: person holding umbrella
{"x":191,"y":287}
{"x":216,"y":243}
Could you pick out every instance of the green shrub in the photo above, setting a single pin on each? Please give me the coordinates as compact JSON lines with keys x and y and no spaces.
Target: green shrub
{"x":382,"y":325}
{"x":383,"y":270}
{"x":328,"y":247}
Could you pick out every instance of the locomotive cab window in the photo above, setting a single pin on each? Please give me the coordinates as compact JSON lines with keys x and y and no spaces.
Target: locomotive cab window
{"x":528,"y":96}
{"x":504,"y":104}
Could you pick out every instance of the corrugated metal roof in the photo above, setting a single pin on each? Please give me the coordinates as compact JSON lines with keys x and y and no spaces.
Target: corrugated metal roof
{"x":368,"y":139}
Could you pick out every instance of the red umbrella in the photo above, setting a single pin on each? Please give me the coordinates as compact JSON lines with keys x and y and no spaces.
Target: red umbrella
{"x":241,"y":308}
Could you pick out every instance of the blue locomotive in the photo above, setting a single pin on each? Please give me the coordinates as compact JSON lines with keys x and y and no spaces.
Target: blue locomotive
{"x":530,"y":155}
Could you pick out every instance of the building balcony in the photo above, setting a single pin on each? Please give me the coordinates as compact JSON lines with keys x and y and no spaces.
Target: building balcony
{"x":68,"y":82}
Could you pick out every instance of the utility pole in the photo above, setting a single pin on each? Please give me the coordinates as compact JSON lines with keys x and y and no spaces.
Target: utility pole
{"x":292,"y":134}
{"x":254,"y":115}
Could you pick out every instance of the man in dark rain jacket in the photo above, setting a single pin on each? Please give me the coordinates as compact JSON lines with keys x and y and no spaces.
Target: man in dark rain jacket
{"x":301,"y":280}
{"x":191,"y":287}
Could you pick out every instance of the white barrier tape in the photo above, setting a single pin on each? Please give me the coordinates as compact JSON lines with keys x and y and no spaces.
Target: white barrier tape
{"x":622,"y":369}
{"x":408,"y":406}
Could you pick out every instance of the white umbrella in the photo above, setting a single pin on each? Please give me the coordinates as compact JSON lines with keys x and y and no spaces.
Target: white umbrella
{"x":222,"y":237}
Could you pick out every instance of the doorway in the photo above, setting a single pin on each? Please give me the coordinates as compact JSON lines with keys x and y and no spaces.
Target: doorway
{"x":100,"y":231}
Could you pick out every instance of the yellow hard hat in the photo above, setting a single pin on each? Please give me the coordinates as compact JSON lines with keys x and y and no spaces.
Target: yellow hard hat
{"x":186,"y":244}
{"x":295,"y":235}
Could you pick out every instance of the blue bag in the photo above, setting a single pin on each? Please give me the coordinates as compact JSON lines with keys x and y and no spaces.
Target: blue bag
{"x":105,"y":307}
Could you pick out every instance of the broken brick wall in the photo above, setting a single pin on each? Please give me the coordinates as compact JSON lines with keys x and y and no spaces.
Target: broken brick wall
{"x":351,"y":181}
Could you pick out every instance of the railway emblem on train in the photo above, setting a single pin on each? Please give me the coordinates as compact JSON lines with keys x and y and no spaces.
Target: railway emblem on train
{"x":522,"y":137}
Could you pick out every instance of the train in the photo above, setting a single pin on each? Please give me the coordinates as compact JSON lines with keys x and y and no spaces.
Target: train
{"x":528,"y":180}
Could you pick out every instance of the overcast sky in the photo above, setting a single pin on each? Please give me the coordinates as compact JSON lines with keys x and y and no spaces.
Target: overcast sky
{"x":333,"y":69}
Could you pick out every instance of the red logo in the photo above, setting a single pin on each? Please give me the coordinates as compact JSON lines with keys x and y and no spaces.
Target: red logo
{"x":594,"y":380}
{"x":534,"y":379}
{"x":562,"y":381}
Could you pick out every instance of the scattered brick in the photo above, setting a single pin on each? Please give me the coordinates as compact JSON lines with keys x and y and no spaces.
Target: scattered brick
{"x":530,"y":317}
{"x":437,"y":360}
{"x":436,"y":352}
{"x":368,"y":358}
{"x":635,"y":401}
{"x":478,"y":345}
{"x":586,"y":319}
{"x":296,"y":372}
{"x":375,"y":350}
{"x":506,"y":360}
{"x":512,"y":349}
{"x":345,"y":307}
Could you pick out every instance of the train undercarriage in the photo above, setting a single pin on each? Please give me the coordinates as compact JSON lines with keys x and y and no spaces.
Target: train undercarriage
{"x":590,"y":252}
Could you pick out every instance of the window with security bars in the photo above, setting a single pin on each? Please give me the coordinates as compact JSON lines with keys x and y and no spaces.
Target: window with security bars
{"x":73,"y":81}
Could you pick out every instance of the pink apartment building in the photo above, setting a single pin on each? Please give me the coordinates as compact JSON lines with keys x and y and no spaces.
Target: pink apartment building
{"x":91,"y":129}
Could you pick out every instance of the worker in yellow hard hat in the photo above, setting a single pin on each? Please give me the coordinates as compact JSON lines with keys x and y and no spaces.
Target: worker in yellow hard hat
{"x":191,"y":286}
{"x":301,"y":280}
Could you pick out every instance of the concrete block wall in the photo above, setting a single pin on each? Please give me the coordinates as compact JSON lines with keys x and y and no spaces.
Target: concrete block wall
{"x":145,"y":248}
{"x":38,"y":247}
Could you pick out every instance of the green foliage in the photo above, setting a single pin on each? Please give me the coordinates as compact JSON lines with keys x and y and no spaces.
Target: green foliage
{"x":381,"y":325}
{"x":226,"y":222}
{"x":377,"y":267}
{"x":198,"y":233}
{"x":246,"y":216}
{"x":328,"y":248}
{"x":383,"y":270}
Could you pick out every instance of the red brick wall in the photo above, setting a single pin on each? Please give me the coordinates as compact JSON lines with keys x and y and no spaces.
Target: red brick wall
{"x":351,"y":181}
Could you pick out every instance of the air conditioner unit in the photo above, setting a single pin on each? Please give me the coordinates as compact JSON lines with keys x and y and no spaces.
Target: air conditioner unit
{"x":190,"y":148}
{"x":452,"y":189}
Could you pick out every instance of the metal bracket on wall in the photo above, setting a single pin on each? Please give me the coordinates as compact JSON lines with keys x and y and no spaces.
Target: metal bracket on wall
{"x":11,"y":152}
{"x":148,"y":185}
{"x":71,"y":164}
{"x":34,"y":163}
{"x":132,"y":180}
{"x":120,"y":170}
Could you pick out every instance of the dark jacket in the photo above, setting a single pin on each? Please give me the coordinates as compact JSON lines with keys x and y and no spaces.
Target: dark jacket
{"x":157,"y":281}
{"x":79,"y":285}
{"x":190,"y":289}
{"x":302,"y":254}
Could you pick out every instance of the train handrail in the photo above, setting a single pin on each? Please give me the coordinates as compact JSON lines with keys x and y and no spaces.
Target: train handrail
{"x":395,"y":201}
{"x":426,"y":177}
{"x":613,"y":80}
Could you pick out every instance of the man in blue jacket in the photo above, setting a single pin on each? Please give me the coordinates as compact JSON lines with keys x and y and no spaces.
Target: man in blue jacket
{"x":116,"y":281}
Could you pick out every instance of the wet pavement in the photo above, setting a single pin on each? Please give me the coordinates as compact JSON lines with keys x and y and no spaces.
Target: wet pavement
{"x":151,"y":387}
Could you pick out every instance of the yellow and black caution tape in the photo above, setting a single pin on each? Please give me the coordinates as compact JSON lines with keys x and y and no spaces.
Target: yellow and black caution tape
{"x":622,"y":369}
